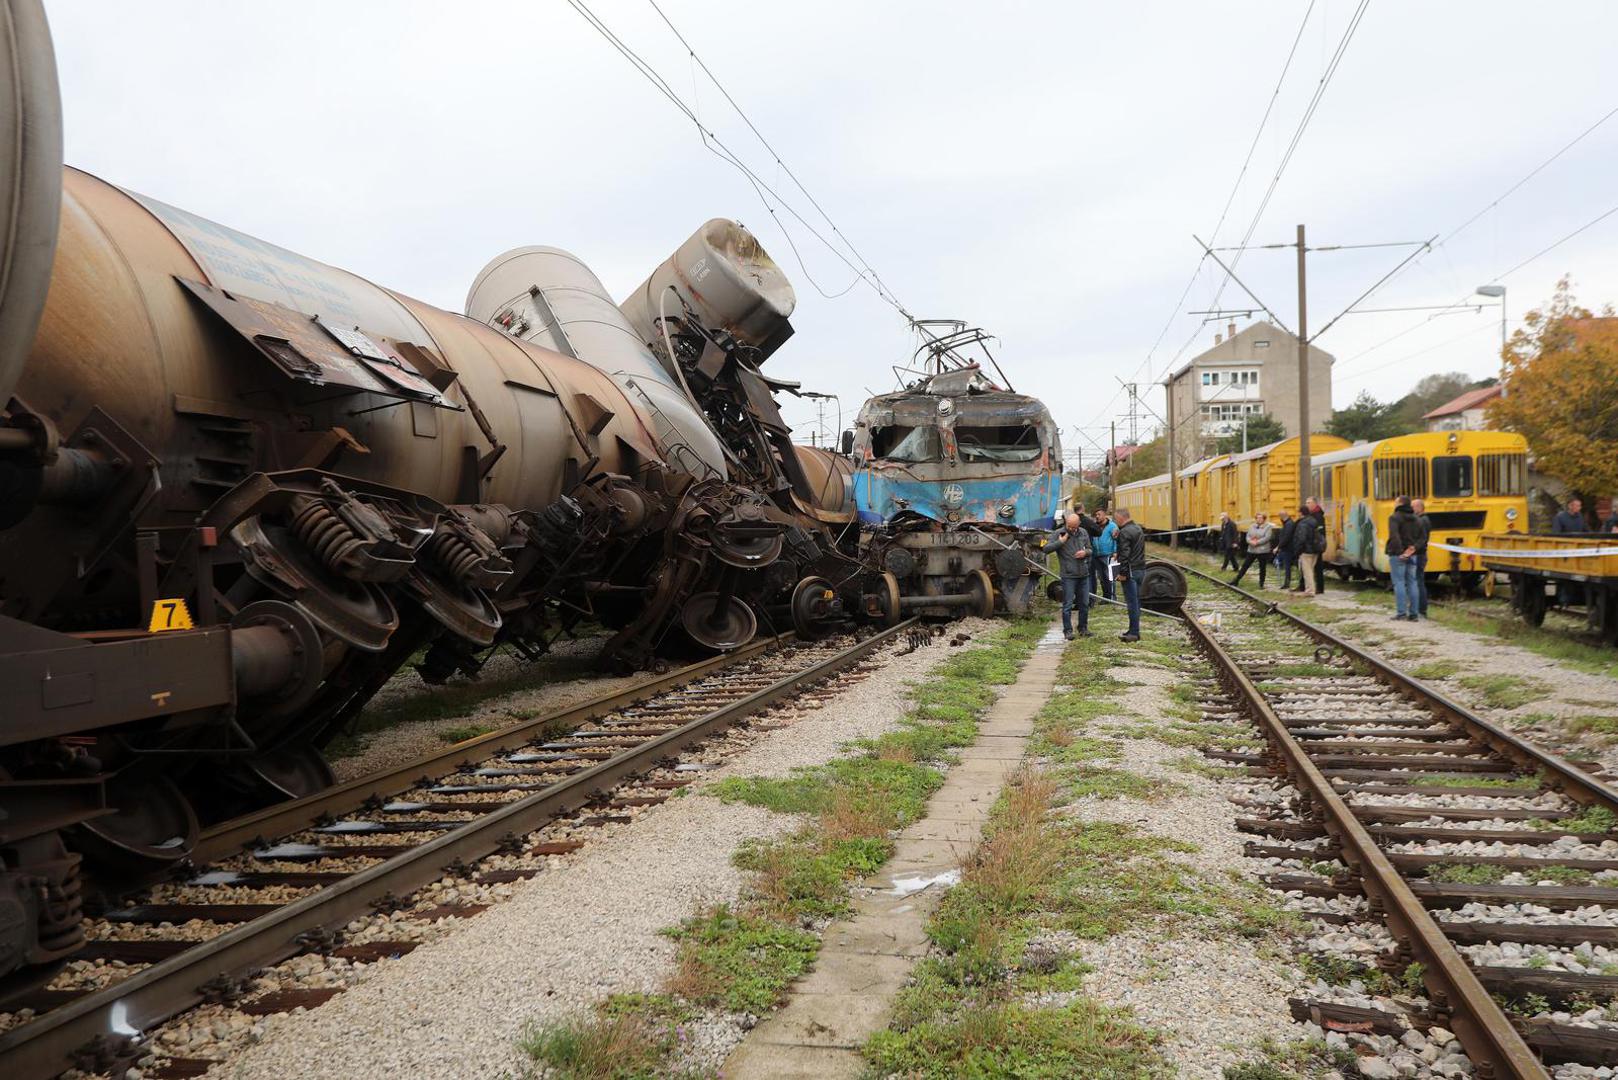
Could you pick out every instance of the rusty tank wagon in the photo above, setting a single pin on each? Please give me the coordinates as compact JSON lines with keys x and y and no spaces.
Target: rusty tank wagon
{"x":241,"y":489}
{"x":956,"y":481}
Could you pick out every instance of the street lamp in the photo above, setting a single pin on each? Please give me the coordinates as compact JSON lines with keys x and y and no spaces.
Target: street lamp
{"x":1499,"y":292}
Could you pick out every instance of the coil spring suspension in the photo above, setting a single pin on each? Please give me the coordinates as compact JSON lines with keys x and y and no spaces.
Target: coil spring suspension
{"x":454,"y":555}
{"x":331,"y":538}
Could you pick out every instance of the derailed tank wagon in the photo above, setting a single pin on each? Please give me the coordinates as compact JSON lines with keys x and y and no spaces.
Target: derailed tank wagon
{"x":956,"y":481}
{"x":240,"y":489}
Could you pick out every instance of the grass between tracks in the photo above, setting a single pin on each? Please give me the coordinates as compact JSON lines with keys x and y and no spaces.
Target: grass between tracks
{"x":1002,"y":992}
{"x":740,"y":958}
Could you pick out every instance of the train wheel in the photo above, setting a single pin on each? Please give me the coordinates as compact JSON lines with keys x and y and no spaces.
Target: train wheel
{"x":1488,"y":584}
{"x":889,"y":599}
{"x":811,"y":603}
{"x":152,"y":829}
{"x":719,"y":626}
{"x":981,"y":587}
{"x":1533,"y":600}
{"x":289,"y":774}
{"x":1343,"y":573}
{"x":1163,"y":587}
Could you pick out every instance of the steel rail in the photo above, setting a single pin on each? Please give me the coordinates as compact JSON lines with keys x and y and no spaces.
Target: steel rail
{"x":229,"y":837}
{"x":1556,"y":772}
{"x":57,"y":1040}
{"x":1487,"y":1035}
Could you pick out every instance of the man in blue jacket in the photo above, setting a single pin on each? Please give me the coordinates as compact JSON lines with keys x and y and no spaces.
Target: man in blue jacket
{"x":1104,"y":544}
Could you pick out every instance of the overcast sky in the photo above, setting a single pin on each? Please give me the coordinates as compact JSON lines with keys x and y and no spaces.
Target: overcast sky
{"x":1034,"y":168}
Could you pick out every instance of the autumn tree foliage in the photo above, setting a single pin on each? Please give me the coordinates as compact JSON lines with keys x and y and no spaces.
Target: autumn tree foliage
{"x":1561,"y":392}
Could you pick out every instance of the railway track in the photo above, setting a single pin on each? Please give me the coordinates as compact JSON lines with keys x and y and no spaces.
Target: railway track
{"x":364,"y":847}
{"x":1492,"y":864}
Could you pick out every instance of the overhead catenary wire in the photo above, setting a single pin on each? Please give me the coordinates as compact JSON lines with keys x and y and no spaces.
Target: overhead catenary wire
{"x":719,"y":148}
{"x":1230,"y":199}
{"x":1542,"y":252}
{"x":876,"y":278}
{"x":1440,"y":245}
{"x":1286,"y":159}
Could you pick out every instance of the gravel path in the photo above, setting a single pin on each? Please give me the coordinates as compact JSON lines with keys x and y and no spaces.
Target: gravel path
{"x":586,"y":928}
{"x":1212,"y":997}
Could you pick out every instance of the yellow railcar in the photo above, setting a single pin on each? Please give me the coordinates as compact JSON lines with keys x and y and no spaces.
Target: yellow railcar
{"x":1473,"y":482}
{"x":1147,"y":502}
{"x":1264,"y":478}
{"x":1195,"y":495}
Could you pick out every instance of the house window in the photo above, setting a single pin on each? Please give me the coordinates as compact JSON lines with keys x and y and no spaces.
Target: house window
{"x":1207,"y":378}
{"x":1261,"y":343}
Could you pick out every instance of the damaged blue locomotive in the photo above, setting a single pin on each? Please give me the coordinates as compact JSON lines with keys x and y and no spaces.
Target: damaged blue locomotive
{"x":956,"y":480}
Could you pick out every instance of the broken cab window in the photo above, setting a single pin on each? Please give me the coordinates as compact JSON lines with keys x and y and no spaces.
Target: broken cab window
{"x":1018,"y":443}
{"x":909,"y":444}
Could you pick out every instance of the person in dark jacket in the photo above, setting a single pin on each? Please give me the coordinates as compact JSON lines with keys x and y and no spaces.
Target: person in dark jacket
{"x":1424,"y":532}
{"x":1228,"y":542}
{"x":1569,"y":520}
{"x":1611,"y":524}
{"x":1313,"y":508}
{"x":1401,"y":551}
{"x":1072,"y":546}
{"x":1303,"y":550}
{"x":1285,"y":559}
{"x":1131,"y":569}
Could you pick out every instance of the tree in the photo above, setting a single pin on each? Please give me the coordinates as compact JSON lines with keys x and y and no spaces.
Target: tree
{"x":1262,"y":429}
{"x":1561,"y":391}
{"x":1151,"y":459}
{"x":1428,"y":394}
{"x":1367,"y":419}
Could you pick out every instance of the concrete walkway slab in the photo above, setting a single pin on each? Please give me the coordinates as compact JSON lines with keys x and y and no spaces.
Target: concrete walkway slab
{"x":866,"y":959}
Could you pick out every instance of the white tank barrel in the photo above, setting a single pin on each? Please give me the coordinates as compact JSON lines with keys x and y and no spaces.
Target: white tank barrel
{"x":727,"y":280}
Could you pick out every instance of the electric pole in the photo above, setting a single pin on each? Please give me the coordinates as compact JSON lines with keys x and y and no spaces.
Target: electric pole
{"x":1112,"y":467}
{"x":1174,"y":498}
{"x":1304,"y":472}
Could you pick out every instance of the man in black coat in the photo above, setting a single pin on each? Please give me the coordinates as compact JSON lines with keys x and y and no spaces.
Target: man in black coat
{"x":1313,"y":508}
{"x":1401,"y":552}
{"x":1131,"y":569}
{"x":1284,"y":556}
{"x":1304,"y":542}
{"x":1228,"y":542}
{"x":1570,"y":520}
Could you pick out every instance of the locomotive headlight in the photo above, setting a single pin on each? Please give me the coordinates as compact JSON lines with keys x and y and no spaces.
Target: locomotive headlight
{"x":1511,"y":513}
{"x":1009,"y":510}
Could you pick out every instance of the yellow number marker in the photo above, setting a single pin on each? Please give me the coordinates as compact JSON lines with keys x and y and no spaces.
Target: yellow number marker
{"x":169,"y":615}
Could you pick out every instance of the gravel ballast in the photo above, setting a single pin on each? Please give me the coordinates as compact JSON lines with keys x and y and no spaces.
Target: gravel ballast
{"x":585,"y":928}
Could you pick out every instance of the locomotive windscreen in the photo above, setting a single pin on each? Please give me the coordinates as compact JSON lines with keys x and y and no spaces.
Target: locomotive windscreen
{"x":910,"y":444}
{"x":1014,"y":443}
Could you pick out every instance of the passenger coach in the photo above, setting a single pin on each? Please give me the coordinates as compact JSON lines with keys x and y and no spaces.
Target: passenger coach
{"x":1473,"y":482}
